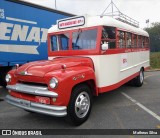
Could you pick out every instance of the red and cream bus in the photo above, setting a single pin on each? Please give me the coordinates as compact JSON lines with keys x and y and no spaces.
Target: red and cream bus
{"x":88,"y":55}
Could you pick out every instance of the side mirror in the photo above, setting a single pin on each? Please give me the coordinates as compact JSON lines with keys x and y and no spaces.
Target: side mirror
{"x":104,"y":46}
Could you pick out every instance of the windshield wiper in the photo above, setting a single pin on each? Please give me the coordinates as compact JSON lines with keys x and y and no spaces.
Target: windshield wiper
{"x":79,"y":33}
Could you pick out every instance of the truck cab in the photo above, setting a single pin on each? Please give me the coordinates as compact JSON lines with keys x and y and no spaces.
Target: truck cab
{"x":64,"y":84}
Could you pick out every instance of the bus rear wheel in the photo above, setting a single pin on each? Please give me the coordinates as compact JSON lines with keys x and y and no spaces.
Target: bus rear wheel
{"x":80,"y":105}
{"x":138,"y":81}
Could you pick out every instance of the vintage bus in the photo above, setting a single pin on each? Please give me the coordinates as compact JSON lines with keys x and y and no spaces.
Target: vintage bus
{"x":88,"y":55}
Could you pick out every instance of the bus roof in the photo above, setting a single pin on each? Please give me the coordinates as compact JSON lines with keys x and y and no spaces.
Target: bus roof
{"x":90,"y":21}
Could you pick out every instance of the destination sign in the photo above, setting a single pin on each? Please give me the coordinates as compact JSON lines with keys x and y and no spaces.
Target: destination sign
{"x":71,"y":22}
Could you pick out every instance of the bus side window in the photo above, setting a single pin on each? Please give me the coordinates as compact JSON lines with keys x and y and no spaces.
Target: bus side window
{"x":84,"y":40}
{"x":108,"y":32}
{"x":60,"y":42}
{"x":121,"y":39}
{"x":135,"y":41}
{"x":109,"y":36}
{"x":129,"y":40}
{"x":54,"y":46}
{"x":139,"y":41}
{"x":143,"y":41}
{"x":104,"y":34}
{"x":64,"y":41}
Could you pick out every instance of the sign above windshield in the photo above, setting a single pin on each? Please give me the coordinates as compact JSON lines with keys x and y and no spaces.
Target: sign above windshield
{"x":71,"y":22}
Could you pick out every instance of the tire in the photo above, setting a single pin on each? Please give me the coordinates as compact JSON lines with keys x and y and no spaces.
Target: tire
{"x":2,"y":79}
{"x":138,"y":81}
{"x":80,"y":105}
{"x":3,"y":73}
{"x":28,"y":111}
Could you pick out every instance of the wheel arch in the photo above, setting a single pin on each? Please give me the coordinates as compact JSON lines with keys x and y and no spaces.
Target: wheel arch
{"x":92,"y":85}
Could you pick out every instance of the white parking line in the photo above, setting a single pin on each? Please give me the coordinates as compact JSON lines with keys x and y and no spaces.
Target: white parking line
{"x":142,"y":106}
{"x":148,"y":76}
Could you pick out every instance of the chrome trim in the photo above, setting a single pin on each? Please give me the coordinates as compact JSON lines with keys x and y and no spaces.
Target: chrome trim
{"x":134,"y":66}
{"x":52,"y":110}
{"x":56,"y":81}
{"x":24,"y":73}
{"x":31,"y":89}
{"x":82,"y":104}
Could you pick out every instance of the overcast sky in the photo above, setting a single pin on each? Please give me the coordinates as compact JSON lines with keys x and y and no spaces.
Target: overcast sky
{"x":141,"y":10}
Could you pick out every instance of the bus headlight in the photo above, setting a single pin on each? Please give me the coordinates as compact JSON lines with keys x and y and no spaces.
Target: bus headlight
{"x":53,"y":83}
{"x":8,"y":78}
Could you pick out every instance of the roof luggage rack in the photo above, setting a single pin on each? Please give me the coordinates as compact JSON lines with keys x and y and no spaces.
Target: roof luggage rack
{"x":120,"y":16}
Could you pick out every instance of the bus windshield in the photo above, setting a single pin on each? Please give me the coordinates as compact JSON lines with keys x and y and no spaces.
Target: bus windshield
{"x":81,"y":40}
{"x":60,"y":42}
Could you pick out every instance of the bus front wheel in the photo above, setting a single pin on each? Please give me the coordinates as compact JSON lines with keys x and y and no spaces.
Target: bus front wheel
{"x":80,"y":104}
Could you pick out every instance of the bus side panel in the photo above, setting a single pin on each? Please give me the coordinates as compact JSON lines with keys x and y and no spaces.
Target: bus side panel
{"x":114,"y":70}
{"x":23,"y":32}
{"x":134,"y":62}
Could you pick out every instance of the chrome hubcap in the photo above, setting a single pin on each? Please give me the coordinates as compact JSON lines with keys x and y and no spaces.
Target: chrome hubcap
{"x":82,"y":104}
{"x":141,"y":76}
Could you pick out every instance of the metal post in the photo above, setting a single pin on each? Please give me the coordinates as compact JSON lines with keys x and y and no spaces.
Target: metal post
{"x":112,"y":7}
{"x":55,"y":4}
{"x":147,"y":22}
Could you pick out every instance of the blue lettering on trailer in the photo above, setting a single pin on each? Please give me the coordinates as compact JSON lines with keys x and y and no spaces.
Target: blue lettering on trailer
{"x":23,"y":32}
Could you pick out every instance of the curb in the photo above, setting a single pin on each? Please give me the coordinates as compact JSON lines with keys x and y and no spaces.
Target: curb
{"x":152,"y":70}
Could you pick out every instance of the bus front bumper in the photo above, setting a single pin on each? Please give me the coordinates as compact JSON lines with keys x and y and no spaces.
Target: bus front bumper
{"x":58,"y":111}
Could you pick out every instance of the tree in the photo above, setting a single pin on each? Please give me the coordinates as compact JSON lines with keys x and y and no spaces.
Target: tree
{"x":154,"y":32}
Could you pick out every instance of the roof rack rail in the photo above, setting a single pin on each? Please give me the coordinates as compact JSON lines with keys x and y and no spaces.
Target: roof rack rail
{"x":123,"y":18}
{"x":120,"y":16}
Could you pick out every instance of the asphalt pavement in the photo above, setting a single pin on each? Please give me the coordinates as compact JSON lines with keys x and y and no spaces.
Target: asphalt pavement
{"x":127,"y":107}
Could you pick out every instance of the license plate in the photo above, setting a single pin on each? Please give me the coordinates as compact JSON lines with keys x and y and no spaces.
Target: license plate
{"x":43,"y":100}
{"x":25,"y":103}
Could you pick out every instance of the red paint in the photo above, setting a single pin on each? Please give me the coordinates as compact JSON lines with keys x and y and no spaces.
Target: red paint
{"x":147,"y":68}
{"x":23,"y":96}
{"x":67,"y":82}
{"x":43,"y":71}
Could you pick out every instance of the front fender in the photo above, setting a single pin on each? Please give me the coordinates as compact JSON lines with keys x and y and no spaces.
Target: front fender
{"x":67,"y":79}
